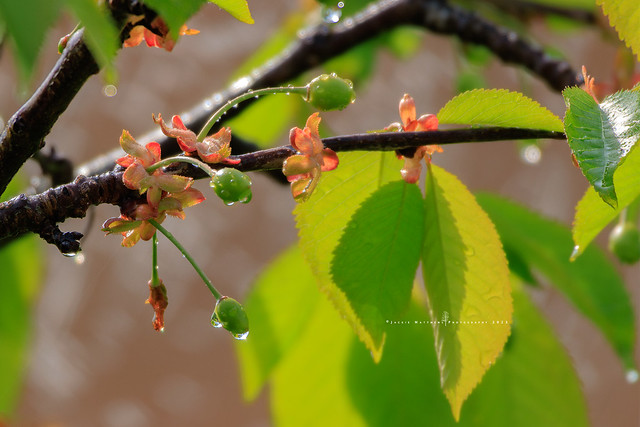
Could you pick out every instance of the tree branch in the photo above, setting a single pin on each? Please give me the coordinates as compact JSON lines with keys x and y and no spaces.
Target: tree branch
{"x":39,"y":213}
{"x":25,"y":131}
{"x":317,"y":45}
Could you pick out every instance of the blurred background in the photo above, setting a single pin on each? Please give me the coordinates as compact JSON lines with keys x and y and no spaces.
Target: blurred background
{"x":95,"y":358}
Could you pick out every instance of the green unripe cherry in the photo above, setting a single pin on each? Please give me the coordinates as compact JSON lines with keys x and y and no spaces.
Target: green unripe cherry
{"x":624,"y":242}
{"x":330,"y":92}
{"x":230,"y":314}
{"x":232,"y":186}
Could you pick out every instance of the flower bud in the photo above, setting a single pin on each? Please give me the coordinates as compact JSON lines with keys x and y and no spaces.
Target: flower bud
{"x":230,"y":315}
{"x":232,"y":186}
{"x":624,"y":242}
{"x":330,"y":92}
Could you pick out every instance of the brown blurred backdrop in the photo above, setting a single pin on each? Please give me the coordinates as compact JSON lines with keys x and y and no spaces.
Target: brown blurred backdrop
{"x":95,"y":358}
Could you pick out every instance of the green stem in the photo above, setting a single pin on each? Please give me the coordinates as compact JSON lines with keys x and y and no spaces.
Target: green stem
{"x":302,"y":90}
{"x":155,"y":280}
{"x":182,"y":159}
{"x":188,"y":256}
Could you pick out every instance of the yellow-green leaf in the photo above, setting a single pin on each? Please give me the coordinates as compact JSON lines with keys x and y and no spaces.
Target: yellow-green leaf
{"x":593,"y":214}
{"x":467,"y":279}
{"x":498,"y":107}
{"x":239,"y":9}
{"x":624,"y":16}
{"x":323,"y":219}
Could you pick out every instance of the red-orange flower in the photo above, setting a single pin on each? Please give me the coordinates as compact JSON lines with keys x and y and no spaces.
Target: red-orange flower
{"x":166,"y":194}
{"x":412,"y":165}
{"x":303,"y":170}
{"x":160,"y":37}
{"x":214,"y":148}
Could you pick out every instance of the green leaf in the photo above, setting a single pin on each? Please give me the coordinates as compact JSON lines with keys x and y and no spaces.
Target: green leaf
{"x":21,"y":267}
{"x":100,"y":33}
{"x":26,"y":23}
{"x":322,"y":221}
{"x":624,"y":17}
{"x":593,"y":215}
{"x":601,"y":135}
{"x":330,"y":378}
{"x":176,"y":12}
{"x":498,"y":107}
{"x":590,"y":283}
{"x":533,"y":383}
{"x":279,"y":306}
{"x":239,"y":9}
{"x":467,"y":280}
{"x":308,"y":387}
{"x":376,"y":260}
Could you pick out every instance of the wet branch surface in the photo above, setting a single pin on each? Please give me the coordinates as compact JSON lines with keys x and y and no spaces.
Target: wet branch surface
{"x":25,"y":132}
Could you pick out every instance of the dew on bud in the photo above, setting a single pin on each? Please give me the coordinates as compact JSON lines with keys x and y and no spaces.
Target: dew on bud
{"x":70,"y":254}
{"x":241,"y":337}
{"x":330,"y":92}
{"x":632,"y":376}
{"x":79,"y":258}
{"x":214,"y":321}
{"x":230,"y":315}
{"x":232,"y":186}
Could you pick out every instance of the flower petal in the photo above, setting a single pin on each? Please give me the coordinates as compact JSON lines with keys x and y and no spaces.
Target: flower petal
{"x":298,"y":164}
{"x":172,"y":183}
{"x":427,"y":122}
{"x":329,"y":160}
{"x":215,"y":148}
{"x":186,"y":138}
{"x":189,"y":197}
{"x":134,"y":176}
{"x":407,"y":109}
{"x":412,"y":168}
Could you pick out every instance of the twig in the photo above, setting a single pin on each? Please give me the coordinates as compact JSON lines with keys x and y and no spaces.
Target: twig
{"x":317,"y":45}
{"x":34,"y":213}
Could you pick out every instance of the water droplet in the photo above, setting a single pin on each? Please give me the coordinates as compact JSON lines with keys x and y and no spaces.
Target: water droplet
{"x":215,"y":321}
{"x":207,"y":104}
{"x":70,"y":254}
{"x":531,"y":154}
{"x":79,"y":258}
{"x":229,"y":203}
{"x":332,"y":15}
{"x":109,"y":91}
{"x":217,"y":98}
{"x":162,"y":330}
{"x":241,"y":337}
{"x":574,"y":254}
{"x":632,"y":376}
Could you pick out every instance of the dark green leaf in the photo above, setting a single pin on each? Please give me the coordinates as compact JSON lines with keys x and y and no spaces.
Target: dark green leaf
{"x":590,"y":283}
{"x":376,"y":260}
{"x":601,"y":135}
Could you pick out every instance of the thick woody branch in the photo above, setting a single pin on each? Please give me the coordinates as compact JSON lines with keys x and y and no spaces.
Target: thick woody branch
{"x":25,"y":131}
{"x":317,"y":45}
{"x":39,"y":213}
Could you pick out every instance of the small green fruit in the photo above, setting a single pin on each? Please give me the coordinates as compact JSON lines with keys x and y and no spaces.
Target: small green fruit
{"x":232,"y":186}
{"x":230,"y":314}
{"x":330,"y":92}
{"x":624,"y":242}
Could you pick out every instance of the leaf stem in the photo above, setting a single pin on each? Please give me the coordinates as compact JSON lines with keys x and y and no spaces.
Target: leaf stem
{"x":155,"y":280}
{"x":188,"y":256}
{"x":182,"y":159}
{"x":302,"y":90}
